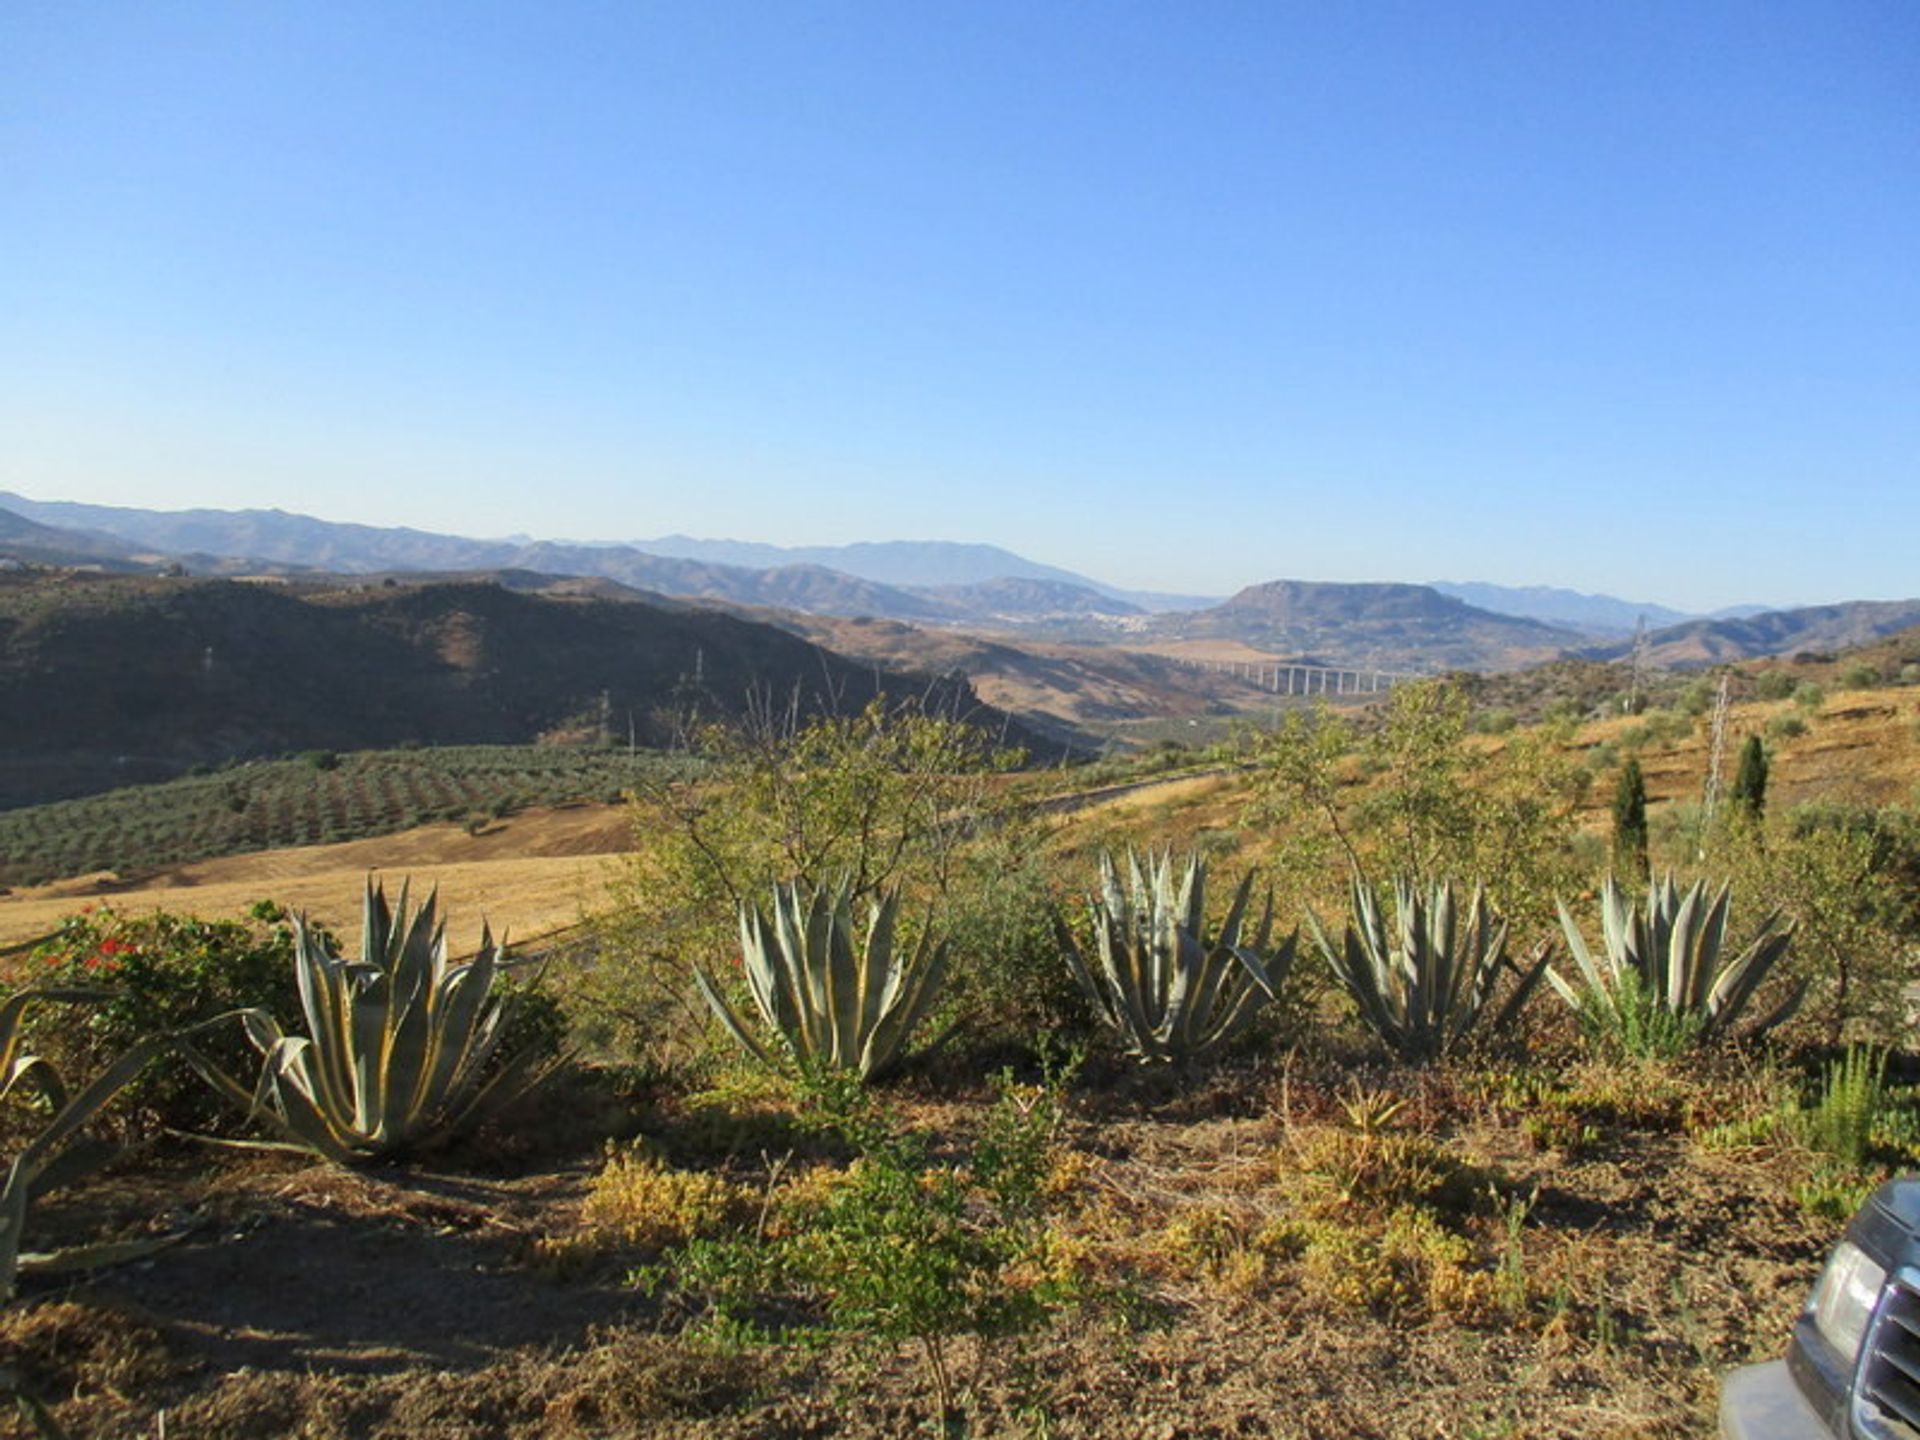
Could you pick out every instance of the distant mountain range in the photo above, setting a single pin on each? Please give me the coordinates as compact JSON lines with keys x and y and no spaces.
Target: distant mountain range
{"x":1467,"y":625}
{"x":1818,"y":628}
{"x":1597,"y":615}
{"x":945,"y":592}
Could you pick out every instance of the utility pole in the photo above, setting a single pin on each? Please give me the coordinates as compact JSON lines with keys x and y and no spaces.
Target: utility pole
{"x":1639,"y":665}
{"x":1716,"y":749}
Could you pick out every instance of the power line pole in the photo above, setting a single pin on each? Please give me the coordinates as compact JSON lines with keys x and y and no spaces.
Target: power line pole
{"x":1716,"y":751}
{"x":1639,"y":665}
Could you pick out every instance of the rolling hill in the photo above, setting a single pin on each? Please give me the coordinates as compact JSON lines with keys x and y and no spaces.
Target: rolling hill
{"x":31,"y":542}
{"x":1370,"y":626}
{"x":107,"y":680}
{"x":1816,"y":628}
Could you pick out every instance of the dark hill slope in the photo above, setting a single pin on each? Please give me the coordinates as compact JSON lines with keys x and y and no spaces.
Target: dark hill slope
{"x":1386,"y":626}
{"x":109,"y":680}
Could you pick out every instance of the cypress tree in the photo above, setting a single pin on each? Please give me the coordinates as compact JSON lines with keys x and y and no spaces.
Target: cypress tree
{"x":1750,"y":780}
{"x":1630,"y":823}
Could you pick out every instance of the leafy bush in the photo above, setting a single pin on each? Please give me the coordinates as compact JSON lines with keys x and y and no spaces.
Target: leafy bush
{"x":1008,"y":984}
{"x":904,"y":1245}
{"x":1848,"y":878}
{"x":1786,"y":726}
{"x":161,"y":973}
{"x":1504,"y":813}
{"x":1631,"y":1019}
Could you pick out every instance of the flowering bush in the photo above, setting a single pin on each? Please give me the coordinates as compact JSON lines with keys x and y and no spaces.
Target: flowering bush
{"x":164,"y":972}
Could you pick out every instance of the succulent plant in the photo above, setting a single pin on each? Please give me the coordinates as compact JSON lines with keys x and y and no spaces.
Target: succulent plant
{"x":1672,"y":949}
{"x":1423,"y":985}
{"x":398,"y":1045}
{"x":58,"y":1154}
{"x":830,"y":1003}
{"x":1153,"y":980}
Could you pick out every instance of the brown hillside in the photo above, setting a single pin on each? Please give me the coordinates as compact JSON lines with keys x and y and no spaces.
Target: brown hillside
{"x":106,"y":681}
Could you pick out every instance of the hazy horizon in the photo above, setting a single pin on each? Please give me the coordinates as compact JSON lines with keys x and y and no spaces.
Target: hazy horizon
{"x":1616,"y":301}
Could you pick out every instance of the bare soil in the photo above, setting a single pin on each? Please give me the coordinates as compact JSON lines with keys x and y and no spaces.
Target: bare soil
{"x":310,"y":1301}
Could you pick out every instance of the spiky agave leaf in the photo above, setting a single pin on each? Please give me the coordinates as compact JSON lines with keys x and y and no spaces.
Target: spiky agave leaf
{"x":1153,"y":980}
{"x":398,"y":1043}
{"x":1673,"y":948}
{"x":830,"y":1003}
{"x":1423,"y":983}
{"x":57,"y":1154}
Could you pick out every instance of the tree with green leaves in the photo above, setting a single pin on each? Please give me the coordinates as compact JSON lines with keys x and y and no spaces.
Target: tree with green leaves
{"x":1750,"y":780}
{"x":1410,"y":792}
{"x":1630,"y":822}
{"x":885,"y":799}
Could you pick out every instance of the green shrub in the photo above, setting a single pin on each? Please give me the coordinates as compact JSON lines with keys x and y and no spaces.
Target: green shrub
{"x":1853,"y":1106}
{"x":1774,"y":685}
{"x":1860,"y":676}
{"x":1008,"y":983}
{"x":905,"y":1245}
{"x":1786,"y":726}
{"x":164,"y":972}
{"x":1631,"y":1020}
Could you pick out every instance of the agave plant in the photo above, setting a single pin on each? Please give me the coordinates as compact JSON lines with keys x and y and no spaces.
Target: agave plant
{"x":59,"y":1153}
{"x":398,"y":1045}
{"x":1424,"y":985}
{"x":830,"y":1003}
{"x":1668,"y":958}
{"x":1153,"y":981}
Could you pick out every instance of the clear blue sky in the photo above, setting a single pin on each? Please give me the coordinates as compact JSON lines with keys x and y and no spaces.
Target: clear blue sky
{"x":1620,"y":296}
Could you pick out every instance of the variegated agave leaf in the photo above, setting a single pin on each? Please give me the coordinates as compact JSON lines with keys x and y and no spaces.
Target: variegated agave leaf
{"x":829,"y":1002}
{"x":1424,"y":984}
{"x":1673,"y":949}
{"x":399,"y":1043}
{"x":1153,"y":980}
{"x":58,"y":1153}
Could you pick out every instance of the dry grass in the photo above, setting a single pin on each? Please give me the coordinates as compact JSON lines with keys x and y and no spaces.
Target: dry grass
{"x":529,"y":875}
{"x":1240,"y":1287}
